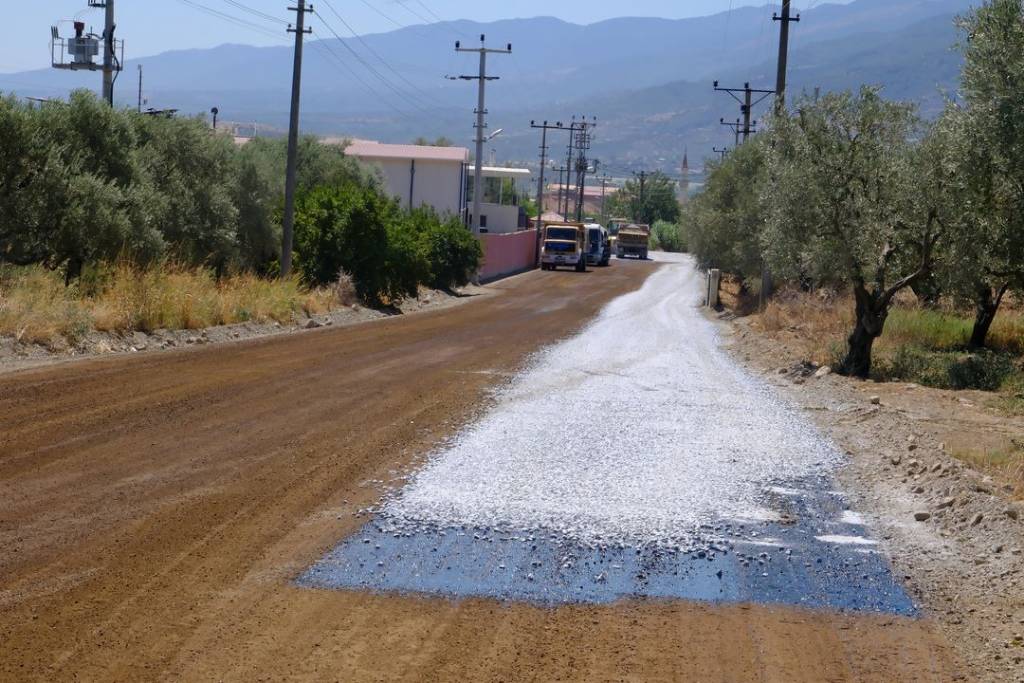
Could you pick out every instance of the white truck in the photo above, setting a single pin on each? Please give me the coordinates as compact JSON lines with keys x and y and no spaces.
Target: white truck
{"x":599,"y":245}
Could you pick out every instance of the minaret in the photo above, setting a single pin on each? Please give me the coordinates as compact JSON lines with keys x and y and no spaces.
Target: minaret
{"x":684,"y":181}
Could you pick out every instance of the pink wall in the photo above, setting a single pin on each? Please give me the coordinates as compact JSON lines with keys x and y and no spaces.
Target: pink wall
{"x":508,"y":254}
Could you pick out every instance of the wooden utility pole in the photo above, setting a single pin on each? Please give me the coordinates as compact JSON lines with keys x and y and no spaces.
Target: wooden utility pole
{"x":287,"y":232}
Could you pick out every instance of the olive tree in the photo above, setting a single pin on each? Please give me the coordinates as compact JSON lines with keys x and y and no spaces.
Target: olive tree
{"x":843,"y":209}
{"x":723,"y":223}
{"x":993,"y":163}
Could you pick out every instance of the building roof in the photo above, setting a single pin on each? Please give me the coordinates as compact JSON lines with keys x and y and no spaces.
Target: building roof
{"x":377,"y":150}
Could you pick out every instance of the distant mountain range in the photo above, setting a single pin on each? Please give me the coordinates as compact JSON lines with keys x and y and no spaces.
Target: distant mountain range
{"x":647,"y":80}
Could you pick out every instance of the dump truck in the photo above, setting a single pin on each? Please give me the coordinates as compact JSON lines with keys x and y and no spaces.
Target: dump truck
{"x":633,"y":240}
{"x":565,"y":244}
{"x":599,"y":245}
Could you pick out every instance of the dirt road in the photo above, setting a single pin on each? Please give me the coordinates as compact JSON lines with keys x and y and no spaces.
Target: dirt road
{"x":156,"y":511}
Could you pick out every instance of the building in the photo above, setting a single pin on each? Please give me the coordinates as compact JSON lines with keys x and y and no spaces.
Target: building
{"x":501,"y":210}
{"x":419,"y":175}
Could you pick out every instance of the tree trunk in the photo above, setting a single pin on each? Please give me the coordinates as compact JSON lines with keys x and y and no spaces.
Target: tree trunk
{"x":871,"y":314}
{"x":986,"y":307}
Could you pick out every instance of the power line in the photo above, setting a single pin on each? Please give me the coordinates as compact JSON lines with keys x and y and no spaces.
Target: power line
{"x":377,"y":55}
{"x":230,"y":18}
{"x":391,"y":86}
{"x":256,"y":12}
{"x":323,"y":44}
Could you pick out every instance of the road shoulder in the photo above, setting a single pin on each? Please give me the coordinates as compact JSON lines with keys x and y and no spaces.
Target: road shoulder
{"x":955,"y":535}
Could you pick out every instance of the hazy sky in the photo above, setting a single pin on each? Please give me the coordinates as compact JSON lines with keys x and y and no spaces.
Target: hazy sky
{"x":154,"y":26}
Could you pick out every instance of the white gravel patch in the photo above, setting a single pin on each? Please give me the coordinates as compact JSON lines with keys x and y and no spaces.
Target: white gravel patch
{"x":851,"y":517}
{"x":638,"y":430}
{"x":839,"y":539}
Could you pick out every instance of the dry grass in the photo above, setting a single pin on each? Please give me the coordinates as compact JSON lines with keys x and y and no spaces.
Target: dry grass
{"x":1003,"y":464}
{"x":824,"y":319}
{"x":35,"y":306}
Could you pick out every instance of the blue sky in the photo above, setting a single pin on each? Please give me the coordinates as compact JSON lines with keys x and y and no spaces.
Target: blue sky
{"x":154,"y":26}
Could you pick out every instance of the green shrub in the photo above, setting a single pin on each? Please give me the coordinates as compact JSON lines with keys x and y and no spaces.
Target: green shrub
{"x":667,"y":236}
{"x":452,"y":253}
{"x":986,"y":370}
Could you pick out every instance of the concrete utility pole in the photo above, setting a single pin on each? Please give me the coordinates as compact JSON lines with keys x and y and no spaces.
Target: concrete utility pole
{"x":140,"y":88}
{"x":287,"y":232}
{"x":721,"y":152}
{"x":642,"y":176}
{"x":604,"y":190}
{"x":746,"y":104}
{"x":481,"y":124}
{"x":544,"y":128}
{"x":780,"y":80}
{"x":109,"y":49}
{"x":561,"y":170}
{"x":583,"y":141}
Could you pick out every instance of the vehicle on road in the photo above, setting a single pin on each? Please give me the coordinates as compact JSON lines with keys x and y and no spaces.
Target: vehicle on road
{"x":599,"y":245}
{"x":633,"y":240}
{"x":565,"y":244}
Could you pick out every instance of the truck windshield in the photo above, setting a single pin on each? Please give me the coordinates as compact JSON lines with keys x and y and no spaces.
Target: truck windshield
{"x":562,"y":234}
{"x":595,"y":240}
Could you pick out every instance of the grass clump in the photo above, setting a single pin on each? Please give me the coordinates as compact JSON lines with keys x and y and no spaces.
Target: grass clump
{"x":37,"y":307}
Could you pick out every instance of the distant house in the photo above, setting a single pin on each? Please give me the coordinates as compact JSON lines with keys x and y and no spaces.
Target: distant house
{"x":419,"y":175}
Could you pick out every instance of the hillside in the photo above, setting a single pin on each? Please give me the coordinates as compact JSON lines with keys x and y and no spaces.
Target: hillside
{"x":648,"y":80}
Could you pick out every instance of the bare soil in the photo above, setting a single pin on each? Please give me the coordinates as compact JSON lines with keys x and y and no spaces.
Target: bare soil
{"x":157,"y":507}
{"x":956,"y":534}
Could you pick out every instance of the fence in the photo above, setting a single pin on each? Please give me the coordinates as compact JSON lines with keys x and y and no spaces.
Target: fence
{"x":508,"y":254}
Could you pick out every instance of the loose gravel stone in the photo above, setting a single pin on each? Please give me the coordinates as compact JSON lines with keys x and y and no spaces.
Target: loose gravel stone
{"x":548,"y":456}
{"x":922,"y":516}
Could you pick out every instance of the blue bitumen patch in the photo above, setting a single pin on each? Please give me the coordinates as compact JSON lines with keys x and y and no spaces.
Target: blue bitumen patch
{"x":775,"y":562}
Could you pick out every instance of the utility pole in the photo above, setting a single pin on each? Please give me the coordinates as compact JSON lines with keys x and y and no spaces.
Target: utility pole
{"x":544,"y":128}
{"x":215,"y":111}
{"x":721,"y":152}
{"x":109,"y":48}
{"x":287,"y":232}
{"x":604,"y":190}
{"x":561,"y":170}
{"x":140,"y":88}
{"x":737,"y":128}
{"x":639,"y":213}
{"x":481,"y":124}
{"x":747,"y":104}
{"x":568,"y":167}
{"x":780,"y":79}
{"x":583,"y":140}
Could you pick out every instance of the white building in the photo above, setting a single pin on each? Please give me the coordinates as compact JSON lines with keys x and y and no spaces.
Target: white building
{"x":419,"y":175}
{"x":504,"y":190}
{"x":442,"y":177}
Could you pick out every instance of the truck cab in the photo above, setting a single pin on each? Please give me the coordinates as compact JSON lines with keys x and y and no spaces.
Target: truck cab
{"x":599,"y":246}
{"x":565,"y":244}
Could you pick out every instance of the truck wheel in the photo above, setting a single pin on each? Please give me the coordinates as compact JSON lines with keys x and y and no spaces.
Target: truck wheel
{"x":581,"y":267}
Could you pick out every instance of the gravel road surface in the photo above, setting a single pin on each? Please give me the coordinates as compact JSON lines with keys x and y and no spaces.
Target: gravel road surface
{"x":158,"y":513}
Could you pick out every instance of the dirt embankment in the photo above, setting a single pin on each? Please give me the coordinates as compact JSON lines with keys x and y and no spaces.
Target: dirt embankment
{"x":955,"y":533}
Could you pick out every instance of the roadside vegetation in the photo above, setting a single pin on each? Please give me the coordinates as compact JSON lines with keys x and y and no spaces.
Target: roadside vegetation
{"x":896,"y":244}
{"x":122,"y":221}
